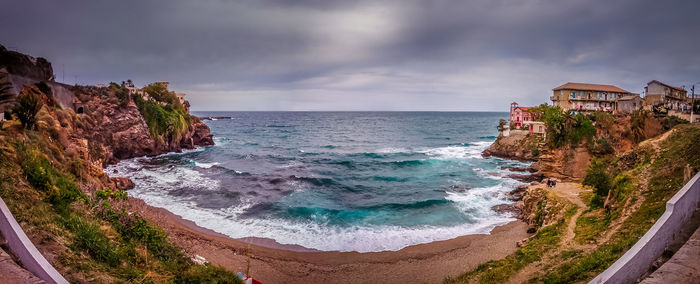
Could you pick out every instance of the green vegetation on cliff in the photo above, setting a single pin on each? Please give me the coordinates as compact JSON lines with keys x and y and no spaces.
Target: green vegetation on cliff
{"x":166,"y":118}
{"x":629,"y":193}
{"x":66,"y":206}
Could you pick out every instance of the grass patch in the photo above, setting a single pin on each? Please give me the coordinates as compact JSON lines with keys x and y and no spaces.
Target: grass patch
{"x":207,"y":274}
{"x":590,"y":226}
{"x":498,"y":271}
{"x":667,"y":177}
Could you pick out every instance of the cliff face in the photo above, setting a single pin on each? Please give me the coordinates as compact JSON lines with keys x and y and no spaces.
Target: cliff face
{"x":115,"y":131}
{"x":52,"y":178}
{"x":120,"y":132}
{"x":517,"y":146}
{"x":567,"y":163}
{"x":25,"y":65}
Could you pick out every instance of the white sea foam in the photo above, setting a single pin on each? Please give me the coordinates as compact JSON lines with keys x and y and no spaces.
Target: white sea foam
{"x":392,"y":150}
{"x":318,"y":236}
{"x":456,"y":152}
{"x":166,"y":177}
{"x":152,"y":184}
{"x":205,"y":165}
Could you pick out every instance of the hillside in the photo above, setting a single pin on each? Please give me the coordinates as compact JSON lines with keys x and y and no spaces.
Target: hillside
{"x":51,"y":175}
{"x":582,"y":228}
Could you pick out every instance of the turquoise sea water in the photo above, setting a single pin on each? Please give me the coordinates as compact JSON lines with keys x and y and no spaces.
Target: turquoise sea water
{"x":362,"y":181}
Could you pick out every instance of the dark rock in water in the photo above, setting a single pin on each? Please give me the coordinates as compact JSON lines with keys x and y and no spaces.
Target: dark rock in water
{"x":507,"y":208}
{"x":517,"y":194}
{"x":459,"y":188}
{"x":531,"y":230}
{"x":214,"y":117}
{"x":514,"y":169}
{"x":122,"y":183}
{"x":525,"y":178}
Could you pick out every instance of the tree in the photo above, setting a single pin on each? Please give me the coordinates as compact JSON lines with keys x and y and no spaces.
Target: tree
{"x":501,"y":125}
{"x":121,"y":92}
{"x":26,"y":108}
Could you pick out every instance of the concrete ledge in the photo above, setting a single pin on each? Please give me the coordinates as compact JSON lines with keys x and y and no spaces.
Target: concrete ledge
{"x":24,"y":249}
{"x":640,"y":257}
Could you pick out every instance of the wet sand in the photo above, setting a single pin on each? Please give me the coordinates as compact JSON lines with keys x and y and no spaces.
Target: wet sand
{"x":276,"y":263}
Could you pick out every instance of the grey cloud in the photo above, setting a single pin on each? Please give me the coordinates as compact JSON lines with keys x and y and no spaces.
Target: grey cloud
{"x":356,"y":55}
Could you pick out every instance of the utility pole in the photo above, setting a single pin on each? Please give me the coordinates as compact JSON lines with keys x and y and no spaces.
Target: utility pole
{"x":692,"y":104}
{"x":63,"y":80}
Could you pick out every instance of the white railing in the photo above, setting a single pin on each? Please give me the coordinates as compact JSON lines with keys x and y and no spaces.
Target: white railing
{"x":638,"y":259}
{"x":24,"y":249}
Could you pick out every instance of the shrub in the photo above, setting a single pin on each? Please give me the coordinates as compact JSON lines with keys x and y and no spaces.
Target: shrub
{"x":598,"y":178}
{"x":88,"y":237}
{"x":26,"y":108}
{"x":554,"y":121}
{"x":161,"y":94}
{"x":601,"y":146}
{"x":501,"y":125}
{"x":60,"y":191}
{"x":165,"y":123}
{"x":637,"y":124}
{"x":604,"y":121}
{"x":564,"y":127}
{"x":581,"y":129}
{"x":121,"y":92}
{"x":671,"y":122}
{"x":207,"y":274}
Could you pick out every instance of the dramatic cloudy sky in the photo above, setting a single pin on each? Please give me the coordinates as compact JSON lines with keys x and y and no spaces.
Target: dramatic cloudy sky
{"x":361,"y":55}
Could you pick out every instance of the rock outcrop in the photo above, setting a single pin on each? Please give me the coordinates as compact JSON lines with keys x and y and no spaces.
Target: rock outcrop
{"x":517,"y":146}
{"x":567,"y":163}
{"x":26,"y":66}
{"x":120,"y":132}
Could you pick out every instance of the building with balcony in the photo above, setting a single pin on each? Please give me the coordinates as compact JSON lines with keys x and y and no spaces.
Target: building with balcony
{"x":583,"y":97}
{"x":658,"y":93}
{"x":519,"y":115}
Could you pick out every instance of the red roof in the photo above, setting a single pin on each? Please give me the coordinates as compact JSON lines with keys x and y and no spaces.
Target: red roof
{"x":590,"y":87}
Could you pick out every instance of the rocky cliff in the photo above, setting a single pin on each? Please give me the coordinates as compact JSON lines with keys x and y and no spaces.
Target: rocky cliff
{"x":52,"y":178}
{"x":26,"y":66}
{"x":517,"y":146}
{"x":120,"y":132}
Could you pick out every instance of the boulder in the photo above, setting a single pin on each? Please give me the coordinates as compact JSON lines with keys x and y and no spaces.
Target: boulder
{"x":122,"y":183}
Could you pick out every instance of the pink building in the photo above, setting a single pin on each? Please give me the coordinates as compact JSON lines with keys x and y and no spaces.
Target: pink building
{"x":519,"y":115}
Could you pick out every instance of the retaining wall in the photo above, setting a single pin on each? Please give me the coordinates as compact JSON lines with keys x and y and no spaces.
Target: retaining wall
{"x":24,"y":249}
{"x":639,"y":258}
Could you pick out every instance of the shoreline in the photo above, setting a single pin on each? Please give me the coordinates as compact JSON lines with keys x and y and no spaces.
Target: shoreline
{"x":272,"y":262}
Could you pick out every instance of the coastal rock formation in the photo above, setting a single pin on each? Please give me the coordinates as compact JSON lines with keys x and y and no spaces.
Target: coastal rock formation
{"x":120,"y":132}
{"x":540,"y":209}
{"x":26,"y":66}
{"x":517,"y":146}
{"x":567,"y":163}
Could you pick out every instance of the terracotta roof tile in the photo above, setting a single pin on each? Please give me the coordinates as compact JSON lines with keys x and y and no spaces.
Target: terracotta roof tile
{"x":590,"y":87}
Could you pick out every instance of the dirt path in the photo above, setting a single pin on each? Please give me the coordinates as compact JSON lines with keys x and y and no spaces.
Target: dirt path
{"x":633,"y":204}
{"x":569,"y":191}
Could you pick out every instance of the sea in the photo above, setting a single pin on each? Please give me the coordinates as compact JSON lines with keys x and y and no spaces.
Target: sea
{"x":335,"y":181}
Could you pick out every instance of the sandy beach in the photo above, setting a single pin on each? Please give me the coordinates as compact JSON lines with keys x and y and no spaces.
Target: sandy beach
{"x":275,"y":263}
